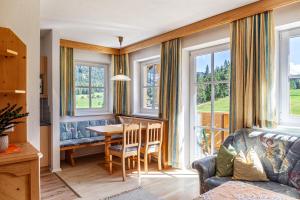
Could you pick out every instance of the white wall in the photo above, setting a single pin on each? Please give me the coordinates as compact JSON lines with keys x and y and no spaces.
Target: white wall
{"x":23,"y":17}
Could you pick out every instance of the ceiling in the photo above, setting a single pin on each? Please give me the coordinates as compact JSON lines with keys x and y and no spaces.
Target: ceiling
{"x":101,"y":21}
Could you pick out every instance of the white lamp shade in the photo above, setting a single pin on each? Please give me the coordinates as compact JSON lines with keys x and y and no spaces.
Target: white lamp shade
{"x":120,"y":77}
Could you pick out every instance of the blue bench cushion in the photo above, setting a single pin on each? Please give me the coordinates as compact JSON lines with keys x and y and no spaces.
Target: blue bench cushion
{"x":119,"y":148}
{"x":152,"y":148}
{"x":79,"y":141}
{"x":74,"y":133}
{"x":68,"y":130}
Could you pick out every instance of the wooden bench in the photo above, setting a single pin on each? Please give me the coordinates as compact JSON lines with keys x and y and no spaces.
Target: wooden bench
{"x":73,"y":135}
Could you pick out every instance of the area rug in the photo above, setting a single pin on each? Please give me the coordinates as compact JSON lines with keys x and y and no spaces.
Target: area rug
{"x":135,"y":194}
{"x":91,"y":181}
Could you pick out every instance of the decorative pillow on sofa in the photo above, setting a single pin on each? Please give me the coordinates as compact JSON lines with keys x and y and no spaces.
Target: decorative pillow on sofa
{"x":224,"y":161}
{"x":248,"y":167}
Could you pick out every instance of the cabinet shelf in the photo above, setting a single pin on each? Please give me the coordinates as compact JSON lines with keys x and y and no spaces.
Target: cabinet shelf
{"x":12,"y":92}
{"x":9,"y":53}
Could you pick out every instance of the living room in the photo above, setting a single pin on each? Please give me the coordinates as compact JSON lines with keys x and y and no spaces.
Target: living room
{"x":192,"y":99}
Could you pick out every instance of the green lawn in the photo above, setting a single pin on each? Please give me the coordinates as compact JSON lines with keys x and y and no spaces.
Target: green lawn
{"x":295,"y":101}
{"x":82,"y":100}
{"x":221,"y":105}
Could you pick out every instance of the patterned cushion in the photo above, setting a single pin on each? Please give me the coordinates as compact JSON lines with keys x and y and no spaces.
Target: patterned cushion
{"x":119,"y":148}
{"x":96,"y":123}
{"x":68,"y":130}
{"x":82,"y":132}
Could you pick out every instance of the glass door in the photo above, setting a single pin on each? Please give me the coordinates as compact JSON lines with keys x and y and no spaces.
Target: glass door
{"x":210,"y":100}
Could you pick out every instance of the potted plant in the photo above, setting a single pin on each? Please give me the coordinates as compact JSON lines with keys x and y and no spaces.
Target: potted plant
{"x":8,"y":120}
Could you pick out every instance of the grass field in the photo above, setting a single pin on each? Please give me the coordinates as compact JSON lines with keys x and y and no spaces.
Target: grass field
{"x":295,"y":101}
{"x":82,"y":101}
{"x":222,"y":105}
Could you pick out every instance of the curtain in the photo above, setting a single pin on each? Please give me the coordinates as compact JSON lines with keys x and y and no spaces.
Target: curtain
{"x":121,"y":104}
{"x":66,"y":82}
{"x":253,"y":72}
{"x":169,"y":100}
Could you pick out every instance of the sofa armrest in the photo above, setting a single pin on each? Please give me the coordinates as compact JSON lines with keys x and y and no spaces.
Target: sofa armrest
{"x":206,"y":168}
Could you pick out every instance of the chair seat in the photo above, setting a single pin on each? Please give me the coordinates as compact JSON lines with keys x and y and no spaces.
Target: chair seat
{"x":73,"y":142}
{"x":119,"y":148}
{"x":151,"y":148}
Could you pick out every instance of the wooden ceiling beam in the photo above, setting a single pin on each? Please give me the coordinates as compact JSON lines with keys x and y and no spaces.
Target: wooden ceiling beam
{"x":89,"y":47}
{"x":211,"y":22}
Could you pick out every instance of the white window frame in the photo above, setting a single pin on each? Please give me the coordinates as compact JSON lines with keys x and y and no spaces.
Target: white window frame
{"x":93,"y":111}
{"x":144,"y":64}
{"x":193,"y":96}
{"x":285,"y":119}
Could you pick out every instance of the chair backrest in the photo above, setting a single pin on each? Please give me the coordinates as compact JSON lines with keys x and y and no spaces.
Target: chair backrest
{"x":131,"y":135}
{"x":154,"y":133}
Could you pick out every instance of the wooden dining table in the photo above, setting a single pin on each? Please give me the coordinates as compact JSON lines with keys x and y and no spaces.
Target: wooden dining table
{"x":108,"y":131}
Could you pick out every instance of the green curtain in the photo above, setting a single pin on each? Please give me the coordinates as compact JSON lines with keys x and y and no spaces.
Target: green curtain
{"x":121,"y":104}
{"x":169,"y":100}
{"x":253,"y":72}
{"x":66,"y":82}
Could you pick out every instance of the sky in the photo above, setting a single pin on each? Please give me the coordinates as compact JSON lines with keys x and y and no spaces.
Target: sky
{"x":295,"y":55}
{"x":220,"y":57}
{"x":204,"y":60}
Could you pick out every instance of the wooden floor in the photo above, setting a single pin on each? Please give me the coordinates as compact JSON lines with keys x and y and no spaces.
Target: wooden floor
{"x":169,"y":184}
{"x":53,"y":188}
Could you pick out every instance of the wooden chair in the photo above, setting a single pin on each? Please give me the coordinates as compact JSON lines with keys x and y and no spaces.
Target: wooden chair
{"x":130,"y":147}
{"x":152,"y":144}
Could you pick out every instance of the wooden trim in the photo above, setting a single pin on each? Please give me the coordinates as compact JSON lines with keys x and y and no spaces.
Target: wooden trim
{"x":211,"y":22}
{"x":90,"y":47}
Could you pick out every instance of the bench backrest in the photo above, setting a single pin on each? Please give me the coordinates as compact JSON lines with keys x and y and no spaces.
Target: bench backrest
{"x":77,"y":129}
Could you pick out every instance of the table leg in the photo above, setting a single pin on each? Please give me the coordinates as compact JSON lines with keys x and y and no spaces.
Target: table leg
{"x":107,"y":145}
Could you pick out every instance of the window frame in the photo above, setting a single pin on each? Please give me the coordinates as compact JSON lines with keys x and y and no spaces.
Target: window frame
{"x":193,"y":96}
{"x":92,"y":111}
{"x":285,"y":118}
{"x":144,"y":64}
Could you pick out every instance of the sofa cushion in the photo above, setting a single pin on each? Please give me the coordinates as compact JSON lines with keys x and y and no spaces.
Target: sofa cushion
{"x":248,"y":167}
{"x":215,"y":181}
{"x":224,"y":161}
{"x":68,"y":130}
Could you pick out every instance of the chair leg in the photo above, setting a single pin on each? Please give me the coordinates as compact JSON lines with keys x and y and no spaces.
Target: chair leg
{"x":149,"y":159}
{"x":146,"y":162}
{"x":128,"y":163}
{"x":110,"y":164}
{"x":139,"y":163}
{"x":133,"y":163}
{"x":159,"y":160}
{"x":123,"y":168}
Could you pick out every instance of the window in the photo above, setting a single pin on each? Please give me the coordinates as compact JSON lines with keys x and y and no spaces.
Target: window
{"x":290,"y":77}
{"x":90,"y":87}
{"x":210,"y":84}
{"x":150,"y":77}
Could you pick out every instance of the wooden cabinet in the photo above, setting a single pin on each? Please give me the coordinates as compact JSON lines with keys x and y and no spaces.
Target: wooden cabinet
{"x":20,"y":174}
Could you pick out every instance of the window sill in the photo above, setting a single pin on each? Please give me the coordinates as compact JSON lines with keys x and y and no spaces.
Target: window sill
{"x":146,"y":115}
{"x":91,"y":113}
{"x":286,"y":130}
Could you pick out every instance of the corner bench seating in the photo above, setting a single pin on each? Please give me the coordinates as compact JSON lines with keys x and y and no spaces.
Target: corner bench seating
{"x":74,"y":135}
